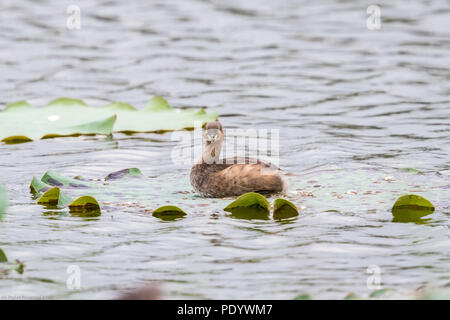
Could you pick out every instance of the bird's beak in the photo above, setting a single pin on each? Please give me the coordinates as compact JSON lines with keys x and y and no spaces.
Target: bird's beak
{"x":211,"y":136}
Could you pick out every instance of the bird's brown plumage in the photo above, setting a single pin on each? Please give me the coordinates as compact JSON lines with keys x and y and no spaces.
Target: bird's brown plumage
{"x":233,"y":176}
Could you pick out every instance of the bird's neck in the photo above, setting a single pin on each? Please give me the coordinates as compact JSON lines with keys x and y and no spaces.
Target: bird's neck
{"x":211,"y":152}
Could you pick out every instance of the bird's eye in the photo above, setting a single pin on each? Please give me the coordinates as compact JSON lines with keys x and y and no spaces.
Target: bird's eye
{"x":216,"y":136}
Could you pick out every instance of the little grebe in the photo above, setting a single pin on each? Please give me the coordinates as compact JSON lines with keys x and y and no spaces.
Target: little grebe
{"x":216,"y":178}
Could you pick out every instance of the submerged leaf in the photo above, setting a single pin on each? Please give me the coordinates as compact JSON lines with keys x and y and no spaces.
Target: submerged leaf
{"x":168,"y":209}
{"x":410,"y":170}
{"x":304,"y":296}
{"x":251,"y":199}
{"x":410,"y":208}
{"x":6,"y":266}
{"x":71,"y":117}
{"x":378,"y":293}
{"x":169,"y":213}
{"x":131,"y":172}
{"x":3,"y":200}
{"x":351,"y":296}
{"x":283,"y":209}
{"x":436,"y":294}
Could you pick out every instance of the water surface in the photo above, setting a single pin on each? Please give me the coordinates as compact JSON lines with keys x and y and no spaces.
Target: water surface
{"x":353,"y":107}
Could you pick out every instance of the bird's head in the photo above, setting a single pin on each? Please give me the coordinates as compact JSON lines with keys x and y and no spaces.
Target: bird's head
{"x":213,"y":132}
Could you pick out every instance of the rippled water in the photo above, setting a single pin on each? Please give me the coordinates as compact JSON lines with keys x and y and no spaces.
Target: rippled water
{"x":360,"y":103}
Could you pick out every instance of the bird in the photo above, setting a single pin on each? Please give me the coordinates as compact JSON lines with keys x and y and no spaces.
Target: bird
{"x":213,"y":177}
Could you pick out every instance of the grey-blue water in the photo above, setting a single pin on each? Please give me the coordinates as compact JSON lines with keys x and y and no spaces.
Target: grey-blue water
{"x":363,"y":103}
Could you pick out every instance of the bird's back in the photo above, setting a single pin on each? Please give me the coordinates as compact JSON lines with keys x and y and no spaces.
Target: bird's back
{"x":236,"y":176}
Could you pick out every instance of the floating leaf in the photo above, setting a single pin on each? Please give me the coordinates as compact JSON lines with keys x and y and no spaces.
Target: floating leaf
{"x":131,"y":172}
{"x":250,"y":199}
{"x":378,"y":293}
{"x":250,"y":213}
{"x":436,"y":294}
{"x":84,"y":204}
{"x":6,"y":266}
{"x":283,"y":209}
{"x":168,"y":213}
{"x":410,"y":170}
{"x":158,"y":104}
{"x":55,"y":197}
{"x":19,"y":122}
{"x":304,"y":296}
{"x":55,"y":179}
{"x":3,"y":257}
{"x":38,"y":187}
{"x":3,"y":200}
{"x":351,"y":296}
{"x":410,"y":208}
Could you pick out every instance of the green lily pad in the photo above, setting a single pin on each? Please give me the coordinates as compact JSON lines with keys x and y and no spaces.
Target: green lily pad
{"x":3,"y":257}
{"x":85,"y":203}
{"x":6,"y":266}
{"x":304,"y":296}
{"x":283,"y":209}
{"x":38,"y":187}
{"x":378,"y":293}
{"x":168,"y":213}
{"x":131,"y":172}
{"x":85,"y":206}
{"x":19,"y":122}
{"x":53,"y":178}
{"x":436,"y":294}
{"x":247,"y":200}
{"x":351,"y":296}
{"x":250,"y":213}
{"x":3,"y":200}
{"x":410,"y":170}
{"x":54,"y":197}
{"x":411,"y":208}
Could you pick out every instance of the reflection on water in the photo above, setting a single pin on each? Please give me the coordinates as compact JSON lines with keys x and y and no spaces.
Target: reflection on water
{"x":344,"y":97}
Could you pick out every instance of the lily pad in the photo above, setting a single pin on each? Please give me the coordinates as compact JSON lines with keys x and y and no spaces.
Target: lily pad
{"x":436,"y":294}
{"x":3,"y":200}
{"x":304,"y":296}
{"x":38,"y":187}
{"x":3,"y":257}
{"x":85,"y":205}
{"x":411,"y":208}
{"x":351,"y":296}
{"x":6,"y":266}
{"x":131,"y":172}
{"x":251,"y":199}
{"x":168,"y":213}
{"x":283,"y":209}
{"x":19,"y":122}
{"x":250,"y":213}
{"x":379,"y":293}
{"x":55,"y":197}
{"x":53,"y":178}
